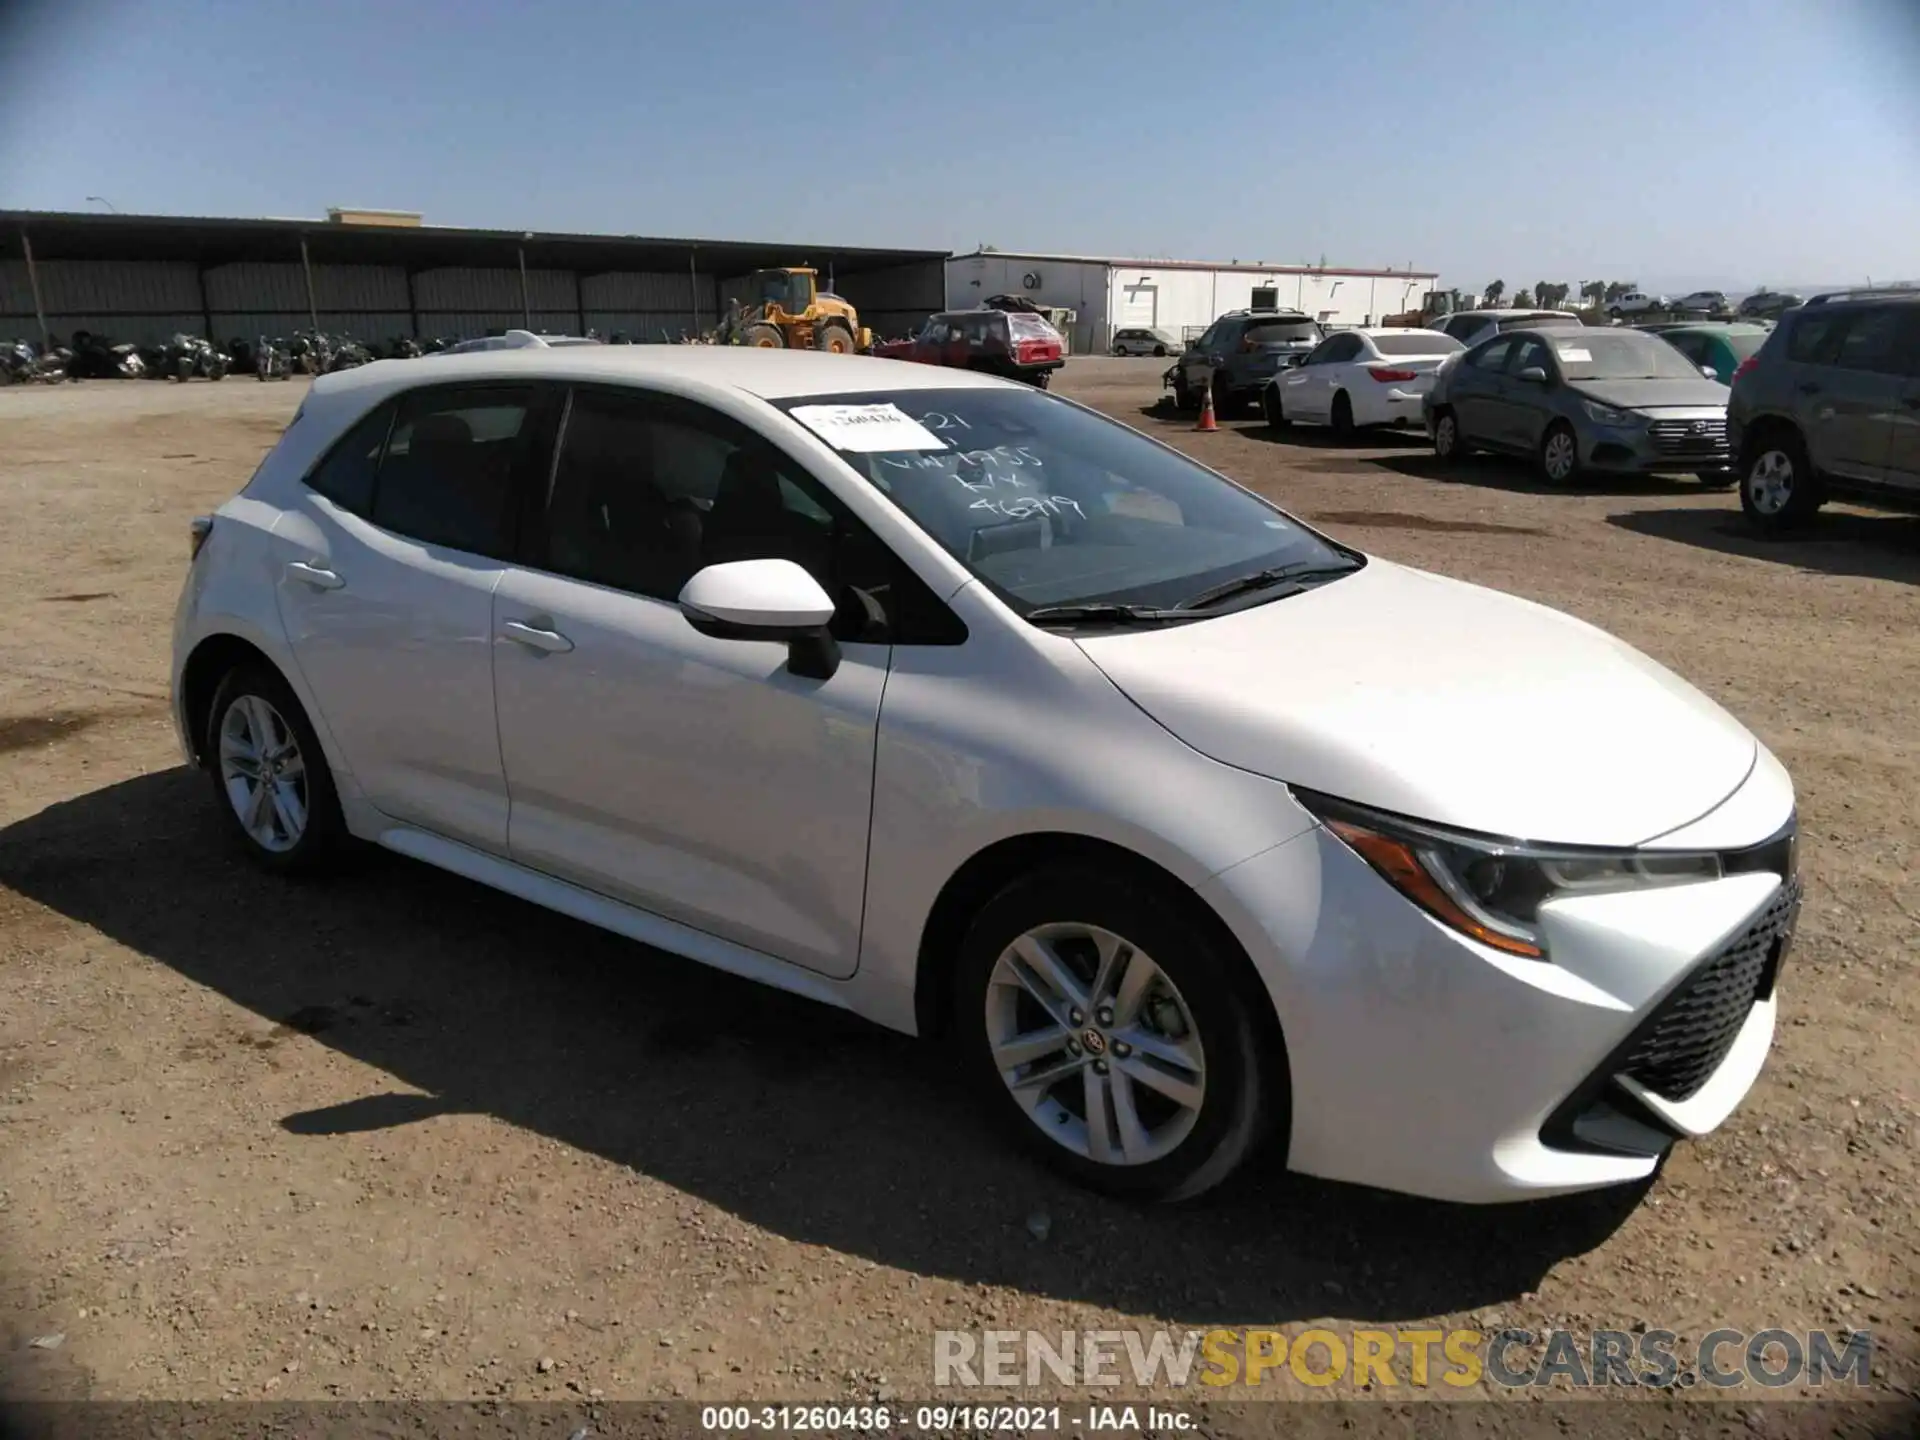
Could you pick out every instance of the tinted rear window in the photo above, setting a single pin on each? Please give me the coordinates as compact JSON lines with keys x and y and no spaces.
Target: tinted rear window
{"x":1540,"y":322}
{"x":1283,"y":332}
{"x":1418,"y":344}
{"x":1031,"y":327}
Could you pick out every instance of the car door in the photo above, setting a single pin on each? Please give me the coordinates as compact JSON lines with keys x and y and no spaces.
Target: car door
{"x":385,"y":571}
{"x":1197,"y":363}
{"x":1854,"y":396}
{"x":694,"y":777}
{"x":1299,"y":391}
{"x":1526,"y":407}
{"x":1477,"y":391}
{"x":1903,"y":439}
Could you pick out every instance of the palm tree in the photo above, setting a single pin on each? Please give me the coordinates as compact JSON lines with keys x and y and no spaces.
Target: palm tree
{"x":1524,"y":300}
{"x":1495,"y":291}
{"x":1615,"y":289}
{"x":1594,"y":291}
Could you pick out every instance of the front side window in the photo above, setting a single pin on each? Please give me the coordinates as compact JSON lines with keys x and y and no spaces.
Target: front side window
{"x":1532,"y":355}
{"x":1050,"y":504}
{"x":1491,"y":357}
{"x":647,"y":490}
{"x":451,"y":461}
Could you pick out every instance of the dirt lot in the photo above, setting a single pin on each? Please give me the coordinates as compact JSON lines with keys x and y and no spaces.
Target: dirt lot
{"x":400,"y":1136}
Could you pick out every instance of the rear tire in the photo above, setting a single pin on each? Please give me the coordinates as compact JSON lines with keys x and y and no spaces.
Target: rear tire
{"x":1273,"y":409}
{"x":1341,"y":417}
{"x":1183,"y":395}
{"x":1224,"y":405}
{"x":258,"y":739}
{"x":1559,"y":460}
{"x":1778,"y":488}
{"x":1160,"y":351}
{"x":1190,"y":1012}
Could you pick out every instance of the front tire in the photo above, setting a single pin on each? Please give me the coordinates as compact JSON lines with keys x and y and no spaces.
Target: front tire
{"x":1778,"y":489}
{"x":765,"y":337}
{"x":1273,"y":409}
{"x":834,"y":338}
{"x":1448,"y":445}
{"x":1560,"y":456}
{"x":1108,"y":1035}
{"x":271,"y":775}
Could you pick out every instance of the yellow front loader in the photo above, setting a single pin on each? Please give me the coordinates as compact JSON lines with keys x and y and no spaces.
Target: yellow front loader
{"x":786,"y":310}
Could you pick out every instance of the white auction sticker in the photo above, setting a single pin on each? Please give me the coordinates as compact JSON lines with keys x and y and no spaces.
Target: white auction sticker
{"x":867,"y":429}
{"x":1577,"y":357}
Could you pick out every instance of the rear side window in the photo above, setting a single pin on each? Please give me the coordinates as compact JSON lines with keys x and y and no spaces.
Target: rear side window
{"x":346,"y":475}
{"x":1869,"y":341}
{"x":450,"y":466}
{"x":1815,"y":338}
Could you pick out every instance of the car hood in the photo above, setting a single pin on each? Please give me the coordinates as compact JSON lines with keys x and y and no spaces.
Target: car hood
{"x":1443,"y":701}
{"x":1652,"y":394}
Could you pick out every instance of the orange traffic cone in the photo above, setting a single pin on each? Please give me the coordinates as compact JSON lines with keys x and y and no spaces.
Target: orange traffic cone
{"x":1206,"y":412}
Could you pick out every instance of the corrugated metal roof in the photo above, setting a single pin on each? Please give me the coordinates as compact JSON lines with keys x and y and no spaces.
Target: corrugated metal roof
{"x":1261,"y":267}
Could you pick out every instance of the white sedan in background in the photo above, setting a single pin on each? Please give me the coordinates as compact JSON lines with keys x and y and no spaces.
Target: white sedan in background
{"x":1358,"y":378}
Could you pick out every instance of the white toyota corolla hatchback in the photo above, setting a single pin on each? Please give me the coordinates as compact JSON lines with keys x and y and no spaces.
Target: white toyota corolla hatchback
{"x":958,"y":705}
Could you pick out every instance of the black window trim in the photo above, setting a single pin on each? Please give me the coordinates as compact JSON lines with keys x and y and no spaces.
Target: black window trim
{"x":531,"y":551}
{"x":388,"y":402}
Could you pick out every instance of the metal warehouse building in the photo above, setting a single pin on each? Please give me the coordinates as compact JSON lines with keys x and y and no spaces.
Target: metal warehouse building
{"x":1180,"y":297}
{"x":145,"y":277}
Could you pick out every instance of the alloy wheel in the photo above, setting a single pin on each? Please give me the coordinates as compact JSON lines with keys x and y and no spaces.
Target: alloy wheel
{"x":263,"y":773}
{"x":1096,"y":1043}
{"x":1559,"y":458}
{"x":1770,"y":482}
{"x":1445,"y":437}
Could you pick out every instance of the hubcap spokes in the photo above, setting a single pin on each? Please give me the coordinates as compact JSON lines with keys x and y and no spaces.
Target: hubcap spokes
{"x":263,"y":773}
{"x":1096,"y":1043}
{"x":1559,"y":457}
{"x":1771,"y":483}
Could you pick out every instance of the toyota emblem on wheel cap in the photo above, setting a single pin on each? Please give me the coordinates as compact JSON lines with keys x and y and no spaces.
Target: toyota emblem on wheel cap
{"x":1095,"y":1042}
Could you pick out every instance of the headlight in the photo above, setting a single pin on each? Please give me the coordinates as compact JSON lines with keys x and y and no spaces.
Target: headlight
{"x":1492,"y":889}
{"x":1607,"y":415}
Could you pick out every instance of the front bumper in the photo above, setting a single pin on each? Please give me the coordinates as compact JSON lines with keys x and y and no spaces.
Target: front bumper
{"x":1667,"y":445}
{"x":1423,"y":1062}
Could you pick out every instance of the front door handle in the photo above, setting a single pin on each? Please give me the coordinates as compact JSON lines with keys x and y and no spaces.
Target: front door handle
{"x":318,"y":576}
{"x":548,"y":642}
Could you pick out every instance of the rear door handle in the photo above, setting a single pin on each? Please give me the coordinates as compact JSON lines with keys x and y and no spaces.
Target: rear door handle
{"x":548,"y":642}
{"x":318,"y":576}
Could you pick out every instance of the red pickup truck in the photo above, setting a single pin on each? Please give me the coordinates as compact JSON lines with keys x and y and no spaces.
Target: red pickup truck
{"x":1020,"y":347}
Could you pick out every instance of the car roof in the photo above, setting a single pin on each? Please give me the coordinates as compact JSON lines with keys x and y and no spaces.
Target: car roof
{"x":768,"y":374}
{"x":1509,"y":314}
{"x":1399,"y":330}
{"x":1713,"y":327}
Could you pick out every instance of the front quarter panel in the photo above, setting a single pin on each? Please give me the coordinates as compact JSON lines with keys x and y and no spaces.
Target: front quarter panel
{"x":1017,"y":733}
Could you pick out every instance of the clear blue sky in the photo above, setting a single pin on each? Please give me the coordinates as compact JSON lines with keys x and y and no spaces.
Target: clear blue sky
{"x":1730,"y":142}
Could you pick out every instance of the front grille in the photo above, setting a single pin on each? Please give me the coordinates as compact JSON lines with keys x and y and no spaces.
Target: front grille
{"x":1697,"y":1025}
{"x":1689,"y":437}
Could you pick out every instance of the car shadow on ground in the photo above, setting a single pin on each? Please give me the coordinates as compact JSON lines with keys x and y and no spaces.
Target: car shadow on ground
{"x":1513,"y":473}
{"x":1878,"y":547}
{"x":790,"y":1115}
{"x":1321,"y":437}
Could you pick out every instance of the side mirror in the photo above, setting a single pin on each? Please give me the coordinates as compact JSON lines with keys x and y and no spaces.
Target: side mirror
{"x":1709,"y":372}
{"x":1533,"y":375}
{"x":765,"y":600}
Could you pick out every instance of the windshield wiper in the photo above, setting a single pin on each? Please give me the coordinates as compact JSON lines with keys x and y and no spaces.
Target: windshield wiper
{"x":1104,"y":614}
{"x":1298,"y":575}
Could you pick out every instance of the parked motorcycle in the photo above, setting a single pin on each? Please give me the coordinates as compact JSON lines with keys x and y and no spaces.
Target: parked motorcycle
{"x":271,"y":360}
{"x":311,"y":351}
{"x":21,"y":362}
{"x":95,"y":357}
{"x":189,"y":357}
{"x":347,"y":353}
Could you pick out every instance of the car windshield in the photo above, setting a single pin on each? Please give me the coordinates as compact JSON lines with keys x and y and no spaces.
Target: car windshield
{"x":1420,"y":342}
{"x":1600,"y":354}
{"x":1051,"y":504}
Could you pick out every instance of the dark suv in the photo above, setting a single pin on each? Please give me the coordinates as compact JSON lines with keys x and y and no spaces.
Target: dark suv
{"x":1830,"y":404}
{"x":1239,"y":353}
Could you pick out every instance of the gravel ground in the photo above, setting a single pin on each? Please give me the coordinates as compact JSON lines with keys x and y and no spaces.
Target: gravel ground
{"x":400,"y":1136}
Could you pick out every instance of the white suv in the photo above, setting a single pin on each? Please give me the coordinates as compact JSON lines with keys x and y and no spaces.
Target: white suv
{"x":517,"y":340}
{"x":1635,"y":302}
{"x":953,"y":703}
